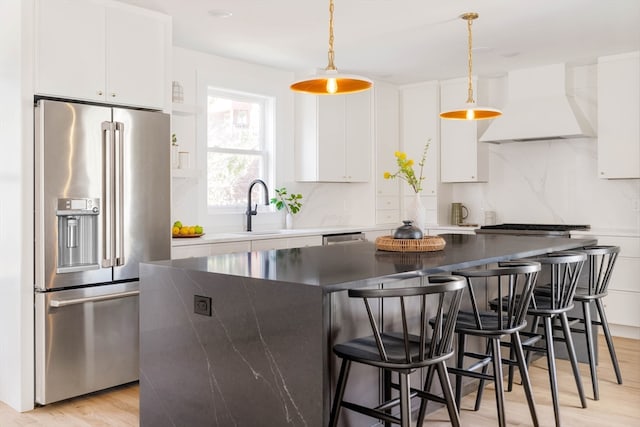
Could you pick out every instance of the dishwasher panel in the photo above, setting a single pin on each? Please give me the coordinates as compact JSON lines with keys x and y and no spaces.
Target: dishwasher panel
{"x":86,"y":340}
{"x":342,"y":238}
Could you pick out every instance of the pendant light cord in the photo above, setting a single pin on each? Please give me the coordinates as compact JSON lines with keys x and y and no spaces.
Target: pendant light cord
{"x":331,"y":66}
{"x":470,"y":17}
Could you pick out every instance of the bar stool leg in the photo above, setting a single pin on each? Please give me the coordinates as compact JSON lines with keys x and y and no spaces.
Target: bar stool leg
{"x":551,"y":363}
{"x":443,"y":375}
{"x":460,"y":361}
{"x":480,"y":392}
{"x":427,"y":388}
{"x":607,"y":335}
{"x":337,"y":399}
{"x":572,"y":357}
{"x":497,"y":376}
{"x":586,"y":310}
{"x":405,"y":407}
{"x":516,"y":345}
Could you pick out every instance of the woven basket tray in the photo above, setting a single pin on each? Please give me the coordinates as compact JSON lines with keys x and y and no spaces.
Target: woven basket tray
{"x":426,"y":244}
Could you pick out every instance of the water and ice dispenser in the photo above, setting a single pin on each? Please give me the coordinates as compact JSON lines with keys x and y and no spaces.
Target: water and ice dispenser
{"x":78,"y":238}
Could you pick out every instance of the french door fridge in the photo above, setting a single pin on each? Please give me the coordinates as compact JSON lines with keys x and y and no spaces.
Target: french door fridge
{"x":102,"y":206}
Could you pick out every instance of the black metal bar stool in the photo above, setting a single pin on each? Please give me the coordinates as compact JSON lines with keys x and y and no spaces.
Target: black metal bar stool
{"x":601,"y":260}
{"x":405,"y":351}
{"x":513,"y":282}
{"x":551,"y":302}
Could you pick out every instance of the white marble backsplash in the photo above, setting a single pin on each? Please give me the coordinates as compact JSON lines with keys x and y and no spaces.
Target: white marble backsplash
{"x":552,"y":182}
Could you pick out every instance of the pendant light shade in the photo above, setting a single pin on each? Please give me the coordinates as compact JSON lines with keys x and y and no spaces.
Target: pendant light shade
{"x":470,"y":111}
{"x":330,"y":82}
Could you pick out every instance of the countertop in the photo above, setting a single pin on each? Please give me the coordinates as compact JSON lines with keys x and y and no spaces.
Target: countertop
{"x":239,"y":236}
{"x":359,"y":264}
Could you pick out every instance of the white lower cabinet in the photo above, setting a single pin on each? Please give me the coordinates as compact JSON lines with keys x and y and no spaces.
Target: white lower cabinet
{"x":202,"y":250}
{"x":190,"y":251}
{"x":623,"y":300}
{"x":285,"y":243}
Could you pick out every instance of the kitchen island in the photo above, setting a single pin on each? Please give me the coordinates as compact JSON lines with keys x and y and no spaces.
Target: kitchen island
{"x":245,"y":339}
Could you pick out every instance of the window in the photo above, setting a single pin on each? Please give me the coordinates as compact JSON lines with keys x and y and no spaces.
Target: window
{"x":238,"y":146}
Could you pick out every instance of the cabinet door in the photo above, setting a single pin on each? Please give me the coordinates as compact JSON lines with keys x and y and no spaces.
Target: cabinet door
{"x":135,"y":47}
{"x":618,"y":113}
{"x":358,"y":139}
{"x":70,"y":49}
{"x":462,"y":157}
{"x":331,"y":136}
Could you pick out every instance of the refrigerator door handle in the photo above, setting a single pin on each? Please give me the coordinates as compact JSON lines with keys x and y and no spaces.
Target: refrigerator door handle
{"x":107,"y":195}
{"x":75,"y":301}
{"x":118,"y":255}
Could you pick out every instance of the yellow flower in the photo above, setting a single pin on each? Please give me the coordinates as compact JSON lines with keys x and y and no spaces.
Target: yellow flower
{"x":405,"y":169}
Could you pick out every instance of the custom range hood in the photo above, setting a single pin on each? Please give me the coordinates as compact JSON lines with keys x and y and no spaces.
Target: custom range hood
{"x":538,"y":108}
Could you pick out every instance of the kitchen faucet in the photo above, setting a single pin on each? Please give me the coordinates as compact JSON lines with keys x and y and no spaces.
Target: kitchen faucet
{"x":249,"y":211}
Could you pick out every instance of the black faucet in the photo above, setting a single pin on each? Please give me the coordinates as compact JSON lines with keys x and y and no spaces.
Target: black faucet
{"x":254,"y":211}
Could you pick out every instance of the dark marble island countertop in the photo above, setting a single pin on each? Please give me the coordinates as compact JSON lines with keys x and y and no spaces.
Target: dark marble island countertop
{"x":340,"y":267}
{"x":245,"y":339}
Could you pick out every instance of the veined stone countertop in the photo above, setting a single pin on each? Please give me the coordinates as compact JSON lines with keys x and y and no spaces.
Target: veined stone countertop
{"x":360,"y":264}
{"x":238,"y":236}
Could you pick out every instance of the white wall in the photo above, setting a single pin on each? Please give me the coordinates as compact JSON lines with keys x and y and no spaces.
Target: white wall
{"x":16,"y":205}
{"x":324,"y":204}
{"x":554,"y":181}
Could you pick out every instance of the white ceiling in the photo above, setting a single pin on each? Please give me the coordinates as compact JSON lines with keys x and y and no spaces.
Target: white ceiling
{"x":406,"y":41}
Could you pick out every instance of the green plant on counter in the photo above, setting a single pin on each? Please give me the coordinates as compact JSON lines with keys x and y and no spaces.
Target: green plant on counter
{"x":174,"y":140}
{"x":290,"y":202}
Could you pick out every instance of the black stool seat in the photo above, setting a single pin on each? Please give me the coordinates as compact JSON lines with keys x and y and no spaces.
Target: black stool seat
{"x":365,"y":350}
{"x":466,"y":323}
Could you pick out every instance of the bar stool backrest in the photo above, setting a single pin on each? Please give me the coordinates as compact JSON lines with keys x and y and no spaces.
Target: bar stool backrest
{"x":514,"y":282}
{"x":446,"y":291}
{"x":601,"y":262}
{"x":565,"y":267}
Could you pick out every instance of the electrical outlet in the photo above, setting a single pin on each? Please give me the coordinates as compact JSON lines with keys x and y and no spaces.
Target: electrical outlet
{"x":202,"y":305}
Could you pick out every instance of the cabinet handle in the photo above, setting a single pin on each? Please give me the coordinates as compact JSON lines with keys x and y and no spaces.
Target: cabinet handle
{"x":113,"y":95}
{"x":99,"y":92}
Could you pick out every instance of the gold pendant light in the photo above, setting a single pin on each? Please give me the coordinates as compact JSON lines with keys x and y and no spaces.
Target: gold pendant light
{"x":330,"y":82}
{"x":470,"y":111}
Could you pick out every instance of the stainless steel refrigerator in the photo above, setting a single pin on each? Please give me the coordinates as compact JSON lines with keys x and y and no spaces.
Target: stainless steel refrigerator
{"x":102,"y":206}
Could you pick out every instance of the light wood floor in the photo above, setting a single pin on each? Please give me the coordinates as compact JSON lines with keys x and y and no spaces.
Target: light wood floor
{"x":619,"y":405}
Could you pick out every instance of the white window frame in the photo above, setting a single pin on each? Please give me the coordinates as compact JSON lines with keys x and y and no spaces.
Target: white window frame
{"x":268,"y":151}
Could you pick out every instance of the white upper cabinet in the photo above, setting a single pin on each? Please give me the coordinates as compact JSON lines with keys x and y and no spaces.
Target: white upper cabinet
{"x":619,"y":116}
{"x":462,"y":157}
{"x":102,"y":51}
{"x":333,"y":136}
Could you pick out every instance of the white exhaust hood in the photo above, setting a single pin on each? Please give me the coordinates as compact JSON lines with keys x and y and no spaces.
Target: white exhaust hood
{"x":538,"y":108}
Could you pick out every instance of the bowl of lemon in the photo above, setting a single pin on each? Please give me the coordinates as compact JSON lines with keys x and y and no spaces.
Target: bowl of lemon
{"x":180,"y":231}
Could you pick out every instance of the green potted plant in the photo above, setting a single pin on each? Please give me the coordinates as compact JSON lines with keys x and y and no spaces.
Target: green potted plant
{"x":290,"y":202}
